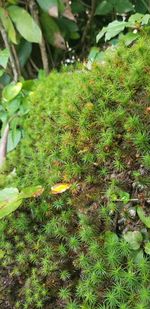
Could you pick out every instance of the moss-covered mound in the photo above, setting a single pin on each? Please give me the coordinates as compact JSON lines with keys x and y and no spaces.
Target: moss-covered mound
{"x":90,"y":130}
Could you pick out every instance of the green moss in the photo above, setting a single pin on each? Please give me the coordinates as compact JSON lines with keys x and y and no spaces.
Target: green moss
{"x":89,"y":128}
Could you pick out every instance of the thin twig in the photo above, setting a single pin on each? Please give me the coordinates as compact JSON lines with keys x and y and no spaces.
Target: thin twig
{"x":93,"y":6}
{"x":34,"y":65}
{"x":34,"y":12}
{"x":12,"y":60}
{"x":3,"y":145}
{"x":16,"y":59}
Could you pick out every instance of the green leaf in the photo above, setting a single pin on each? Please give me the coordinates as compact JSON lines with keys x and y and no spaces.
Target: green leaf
{"x":130,"y":37}
{"x":1,"y":72}
{"x":11,"y":91}
{"x":8,"y":194}
{"x":52,"y":31}
{"x":104,"y":8}
{"x":13,"y":106}
{"x":4,"y":57}
{"x":147,"y":247}
{"x":93,"y":52}
{"x":14,"y":138}
{"x":49,"y":6}
{"x":144,"y":218}
{"x":8,"y":201}
{"x":25,"y":24}
{"x":34,"y":191}
{"x":114,"y":29}
{"x":24,"y":52}
{"x":135,"y":18}
{"x":8,"y":207}
{"x":134,"y":239}
{"x":125,"y":196}
{"x":8,"y":25}
{"x":101,"y":34}
{"x":123,"y":6}
{"x":145,"y":19}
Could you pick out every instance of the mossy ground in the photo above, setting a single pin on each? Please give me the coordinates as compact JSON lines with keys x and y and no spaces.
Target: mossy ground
{"x":90,"y":129}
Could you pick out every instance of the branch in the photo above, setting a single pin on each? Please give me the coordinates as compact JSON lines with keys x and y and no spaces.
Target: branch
{"x":34,"y":12}
{"x":3,"y":145}
{"x":8,"y":46}
{"x":93,"y":6}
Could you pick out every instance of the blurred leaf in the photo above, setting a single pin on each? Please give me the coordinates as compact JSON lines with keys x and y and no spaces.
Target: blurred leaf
{"x":60,"y":188}
{"x":11,"y":91}
{"x":77,"y":7}
{"x":1,"y":72}
{"x":130,"y":37}
{"x":49,"y":6}
{"x":24,"y":52}
{"x":4,"y":57}
{"x":67,"y":11}
{"x":14,"y":138}
{"x":123,"y":6}
{"x":8,"y":25}
{"x":114,"y":29}
{"x":68,"y":28}
{"x":147,"y":247}
{"x":25,"y":24}
{"x":13,"y":106}
{"x":31,"y":192}
{"x":134,"y":239}
{"x":145,"y":19}
{"x":104,"y":8}
{"x":101,"y":34}
{"x":135,"y":18}
{"x":93,"y":52}
{"x":52,"y":31}
{"x":144,"y":218}
{"x":8,"y":201}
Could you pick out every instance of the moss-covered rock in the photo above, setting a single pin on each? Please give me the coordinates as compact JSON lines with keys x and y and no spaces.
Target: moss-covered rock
{"x":89,"y":129}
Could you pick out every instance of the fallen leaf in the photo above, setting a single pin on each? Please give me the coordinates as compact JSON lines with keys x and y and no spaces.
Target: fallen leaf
{"x":60,"y":188}
{"x":32,"y":192}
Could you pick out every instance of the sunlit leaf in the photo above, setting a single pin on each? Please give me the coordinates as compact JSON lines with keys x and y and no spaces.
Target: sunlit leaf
{"x":11,"y":91}
{"x":60,"y":188}
{"x":9,"y":201}
{"x":8,"y":25}
{"x":34,"y":191}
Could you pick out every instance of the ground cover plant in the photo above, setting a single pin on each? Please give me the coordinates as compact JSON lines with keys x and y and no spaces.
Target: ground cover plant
{"x":83,"y":242}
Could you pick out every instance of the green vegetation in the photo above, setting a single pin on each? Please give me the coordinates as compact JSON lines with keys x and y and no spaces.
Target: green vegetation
{"x":90,"y":130}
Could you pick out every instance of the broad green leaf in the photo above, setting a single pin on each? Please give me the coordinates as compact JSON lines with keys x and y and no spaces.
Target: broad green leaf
{"x":8,"y":194}
{"x":8,"y":207}
{"x":4,"y":57}
{"x":130,"y":37}
{"x":114,"y":29}
{"x":135,"y":18}
{"x":143,"y":217}
{"x":134,"y":239}
{"x":24,"y":52}
{"x":68,"y":28}
{"x":52,"y":31}
{"x":101,"y":34}
{"x":13,"y":106}
{"x":93,"y":53}
{"x":123,"y":6}
{"x":11,"y":91}
{"x":8,"y":25}
{"x":25,"y":24}
{"x":14,"y":138}
{"x":147,"y":247}
{"x":34,"y":191}
{"x":104,"y":8}
{"x":145,"y":19}
{"x":49,"y":6}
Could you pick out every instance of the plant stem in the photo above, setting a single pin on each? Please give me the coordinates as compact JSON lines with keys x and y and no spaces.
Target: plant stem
{"x":93,"y":6}
{"x":34,"y":12}
{"x":12,"y":60}
{"x":3,"y":145}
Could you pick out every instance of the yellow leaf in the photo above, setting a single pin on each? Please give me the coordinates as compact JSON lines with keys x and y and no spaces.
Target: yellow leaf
{"x":60,"y":188}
